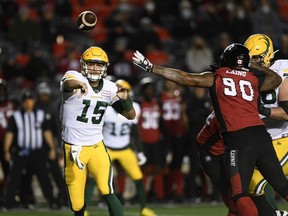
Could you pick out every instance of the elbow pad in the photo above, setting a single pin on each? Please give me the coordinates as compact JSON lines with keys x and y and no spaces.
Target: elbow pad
{"x":284,"y":105}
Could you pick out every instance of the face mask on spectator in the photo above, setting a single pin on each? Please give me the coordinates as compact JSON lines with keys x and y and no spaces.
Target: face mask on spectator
{"x":241,"y":14}
{"x":230,"y":6}
{"x":266,"y":9}
{"x":186,"y":13}
{"x":150,"y":6}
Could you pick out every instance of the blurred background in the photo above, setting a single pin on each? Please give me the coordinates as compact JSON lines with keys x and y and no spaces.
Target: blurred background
{"x":39,"y":42}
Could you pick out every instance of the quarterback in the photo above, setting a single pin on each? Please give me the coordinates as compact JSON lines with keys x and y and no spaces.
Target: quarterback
{"x":85,"y":98}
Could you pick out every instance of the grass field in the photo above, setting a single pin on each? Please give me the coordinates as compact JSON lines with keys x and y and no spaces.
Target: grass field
{"x":161,"y":210}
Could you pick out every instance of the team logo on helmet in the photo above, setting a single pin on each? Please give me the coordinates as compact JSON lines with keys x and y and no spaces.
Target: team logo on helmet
{"x":260,"y":45}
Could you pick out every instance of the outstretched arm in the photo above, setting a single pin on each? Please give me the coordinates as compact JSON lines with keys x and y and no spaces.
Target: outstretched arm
{"x":72,"y":84}
{"x":204,"y":79}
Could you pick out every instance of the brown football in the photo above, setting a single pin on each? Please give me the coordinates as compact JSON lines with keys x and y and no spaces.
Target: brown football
{"x":86,"y":21}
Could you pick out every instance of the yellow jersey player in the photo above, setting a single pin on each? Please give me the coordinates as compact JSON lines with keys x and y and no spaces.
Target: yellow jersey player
{"x":119,"y":133}
{"x":274,"y":106}
{"x":85,"y":98}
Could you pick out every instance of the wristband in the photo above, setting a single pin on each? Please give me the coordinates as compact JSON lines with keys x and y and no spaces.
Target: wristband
{"x":127,"y":104}
{"x":284,"y":105}
{"x":265,"y":111}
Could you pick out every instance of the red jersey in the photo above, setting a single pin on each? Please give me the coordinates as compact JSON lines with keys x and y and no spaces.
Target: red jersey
{"x":6,"y":110}
{"x":234,"y":95}
{"x":210,"y":138}
{"x":172,"y":114}
{"x":149,"y":121}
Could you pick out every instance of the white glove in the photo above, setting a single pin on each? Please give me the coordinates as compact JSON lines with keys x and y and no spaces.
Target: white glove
{"x":141,"y":158}
{"x":142,"y":62}
{"x":75,"y":152}
{"x":281,"y":213}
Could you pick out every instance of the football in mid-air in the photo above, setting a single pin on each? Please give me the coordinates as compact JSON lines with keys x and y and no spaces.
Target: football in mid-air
{"x":86,"y":21}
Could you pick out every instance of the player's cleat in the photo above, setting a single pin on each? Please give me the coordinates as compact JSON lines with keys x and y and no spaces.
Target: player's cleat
{"x":147,"y":212}
{"x":281,"y":213}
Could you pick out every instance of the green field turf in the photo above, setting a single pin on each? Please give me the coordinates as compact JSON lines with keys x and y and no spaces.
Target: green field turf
{"x":161,"y":210}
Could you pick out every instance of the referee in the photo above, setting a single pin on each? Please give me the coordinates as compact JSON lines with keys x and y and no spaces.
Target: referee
{"x":24,"y":150}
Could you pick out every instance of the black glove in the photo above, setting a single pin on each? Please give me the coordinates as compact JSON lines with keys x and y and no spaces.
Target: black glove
{"x":142,"y":62}
{"x":263,"y":110}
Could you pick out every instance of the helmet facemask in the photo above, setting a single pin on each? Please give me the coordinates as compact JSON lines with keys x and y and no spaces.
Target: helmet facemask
{"x":98,"y":59}
{"x":89,"y":74}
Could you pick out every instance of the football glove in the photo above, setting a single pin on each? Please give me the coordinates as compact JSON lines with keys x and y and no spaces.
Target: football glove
{"x":263,"y":110}
{"x":142,"y":62}
{"x":281,"y":213}
{"x":141,"y":158}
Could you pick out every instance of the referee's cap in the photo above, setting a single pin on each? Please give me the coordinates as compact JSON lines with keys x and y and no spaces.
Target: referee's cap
{"x":145,"y":82}
{"x":28,"y":94}
{"x":43,"y":88}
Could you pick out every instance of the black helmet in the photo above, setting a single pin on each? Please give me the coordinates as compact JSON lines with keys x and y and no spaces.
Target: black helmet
{"x":43,"y":88}
{"x":235,"y":55}
{"x":146,"y":81}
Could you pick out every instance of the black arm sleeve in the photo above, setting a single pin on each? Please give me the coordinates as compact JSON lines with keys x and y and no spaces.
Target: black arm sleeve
{"x":284,"y":105}
{"x":118,"y":106}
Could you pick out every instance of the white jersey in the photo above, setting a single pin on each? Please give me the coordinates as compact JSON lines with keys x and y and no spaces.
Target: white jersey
{"x":82,"y":117}
{"x":117,"y":128}
{"x":276,"y":128}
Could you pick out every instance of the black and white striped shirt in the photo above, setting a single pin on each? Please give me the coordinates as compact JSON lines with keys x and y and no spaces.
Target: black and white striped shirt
{"x":28,"y":127}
